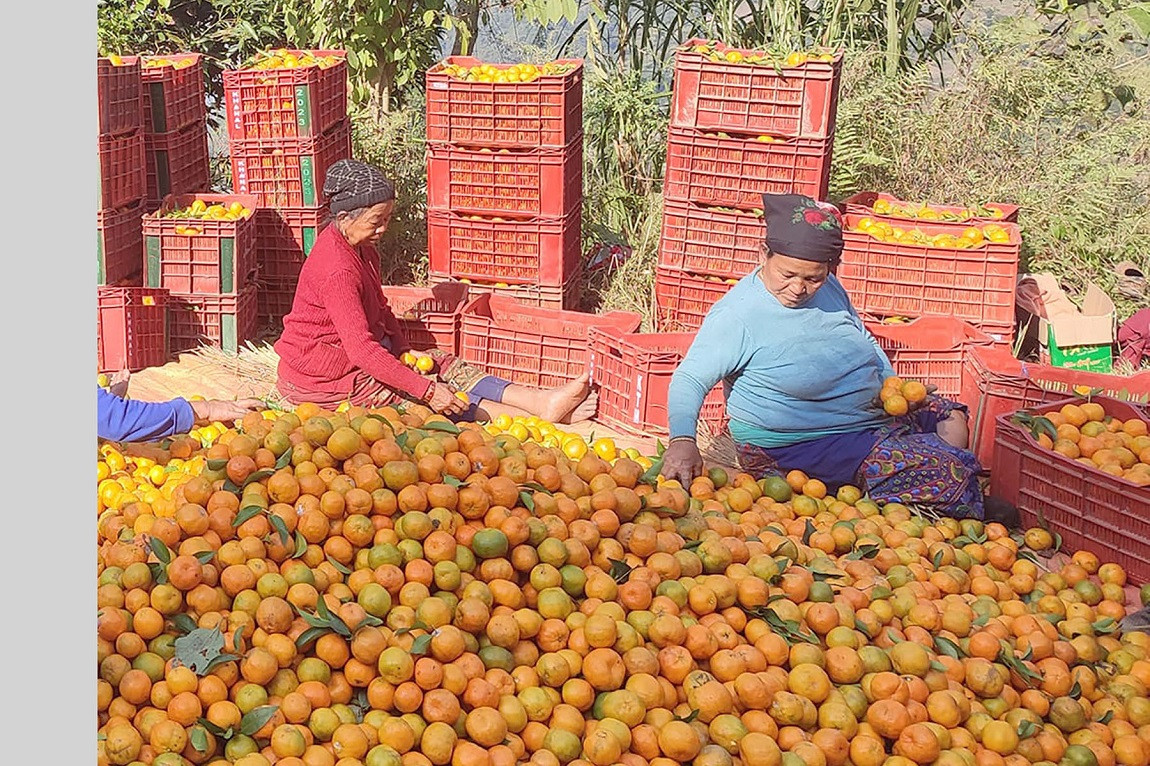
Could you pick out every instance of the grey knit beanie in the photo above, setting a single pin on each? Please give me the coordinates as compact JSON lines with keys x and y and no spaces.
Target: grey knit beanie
{"x":350,"y":185}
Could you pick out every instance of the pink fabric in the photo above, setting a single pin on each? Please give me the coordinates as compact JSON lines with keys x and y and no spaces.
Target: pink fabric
{"x":1134,"y":338}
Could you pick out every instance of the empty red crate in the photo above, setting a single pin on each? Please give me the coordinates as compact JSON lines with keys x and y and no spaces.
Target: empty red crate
{"x":547,"y":111}
{"x":736,"y":171}
{"x":177,"y":162}
{"x":221,"y":258}
{"x":284,"y":237}
{"x":520,"y":182}
{"x":173,"y":88}
{"x":538,"y":251}
{"x":684,"y":298}
{"x":119,"y":245}
{"x":863,"y":202}
{"x":274,"y":300}
{"x":122,"y":177}
{"x":557,"y":297}
{"x":288,"y":172}
{"x":930,"y":350}
{"x":995,"y":383}
{"x":1091,"y":509}
{"x":131,"y":328}
{"x":533,"y":346}
{"x":633,"y":374}
{"x":704,"y":240}
{"x":429,"y":316}
{"x":294,"y":102}
{"x":887,"y":279}
{"x":223,"y":321}
{"x":121,"y":106}
{"x":754,"y":98}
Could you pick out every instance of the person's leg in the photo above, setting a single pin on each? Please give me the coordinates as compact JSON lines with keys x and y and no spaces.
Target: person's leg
{"x":569,"y":403}
{"x":946,"y":418}
{"x":954,"y":429}
{"x":926,"y":473}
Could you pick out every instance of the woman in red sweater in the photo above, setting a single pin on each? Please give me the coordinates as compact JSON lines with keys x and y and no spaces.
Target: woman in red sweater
{"x":341,"y":341}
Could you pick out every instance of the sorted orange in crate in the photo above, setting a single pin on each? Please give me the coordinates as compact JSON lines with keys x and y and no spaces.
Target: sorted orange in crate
{"x":719,"y":87}
{"x":995,"y":383}
{"x":286,"y":93}
{"x":735,"y":170}
{"x":542,"y":111}
{"x":713,"y":241}
{"x":888,"y":206}
{"x":119,"y":99}
{"x":201,"y":243}
{"x":173,"y":88}
{"x":929,"y":269}
{"x":1102,"y":509}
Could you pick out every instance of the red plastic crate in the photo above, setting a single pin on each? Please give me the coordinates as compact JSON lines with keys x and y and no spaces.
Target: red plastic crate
{"x":284,"y":237}
{"x":862,"y":204}
{"x":683,"y":298}
{"x":557,"y":297}
{"x":223,"y":321}
{"x":286,"y":103}
{"x":930,"y":350}
{"x":220,"y":259}
{"x":122,"y":177}
{"x":533,"y":346}
{"x":633,"y":374}
{"x":173,"y":96}
{"x":995,"y":383}
{"x":288,"y":172}
{"x":121,"y":105}
{"x":536,"y":251}
{"x":429,"y":316}
{"x":736,"y":171}
{"x":177,"y":163}
{"x":119,"y":245}
{"x":547,"y":111}
{"x":520,"y":182}
{"x":750,"y":98}
{"x":1091,"y":509}
{"x":274,"y":300}
{"x":708,"y":241}
{"x":887,"y":279}
{"x":131,"y":328}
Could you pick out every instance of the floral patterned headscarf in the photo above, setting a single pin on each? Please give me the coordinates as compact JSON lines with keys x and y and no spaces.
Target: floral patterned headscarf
{"x":800,"y":227}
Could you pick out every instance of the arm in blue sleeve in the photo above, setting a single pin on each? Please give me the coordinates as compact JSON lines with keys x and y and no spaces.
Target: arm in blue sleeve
{"x":719,"y":349}
{"x":124,"y":420}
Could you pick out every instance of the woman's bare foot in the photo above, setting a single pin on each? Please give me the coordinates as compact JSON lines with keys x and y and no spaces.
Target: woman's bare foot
{"x":551,"y":404}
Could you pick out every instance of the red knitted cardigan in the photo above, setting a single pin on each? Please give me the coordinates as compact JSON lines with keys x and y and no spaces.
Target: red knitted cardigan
{"x":338,"y":324}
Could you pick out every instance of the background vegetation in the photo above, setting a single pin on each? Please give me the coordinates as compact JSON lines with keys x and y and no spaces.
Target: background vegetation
{"x":1038,"y":102}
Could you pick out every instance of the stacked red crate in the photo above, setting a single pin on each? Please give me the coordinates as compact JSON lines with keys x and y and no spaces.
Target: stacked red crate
{"x":175,"y":126}
{"x":201,"y":248}
{"x":964,"y":262}
{"x":505,"y":176}
{"x":742,"y":123}
{"x":287,"y":124}
{"x":120,"y":193}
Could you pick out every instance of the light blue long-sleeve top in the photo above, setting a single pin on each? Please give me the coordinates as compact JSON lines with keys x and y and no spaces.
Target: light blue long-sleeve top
{"x":790,"y":374}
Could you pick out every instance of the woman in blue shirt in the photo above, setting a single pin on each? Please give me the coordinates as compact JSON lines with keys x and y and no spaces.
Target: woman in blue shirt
{"x":801,"y":376}
{"x":123,"y":420}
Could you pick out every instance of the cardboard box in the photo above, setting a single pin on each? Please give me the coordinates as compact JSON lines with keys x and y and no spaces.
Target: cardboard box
{"x":1070,"y":337}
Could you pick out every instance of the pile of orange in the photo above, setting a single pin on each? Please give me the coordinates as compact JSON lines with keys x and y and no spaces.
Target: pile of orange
{"x":898,"y":395}
{"x":387,"y":589}
{"x":969,"y":238}
{"x":1086,"y":433}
